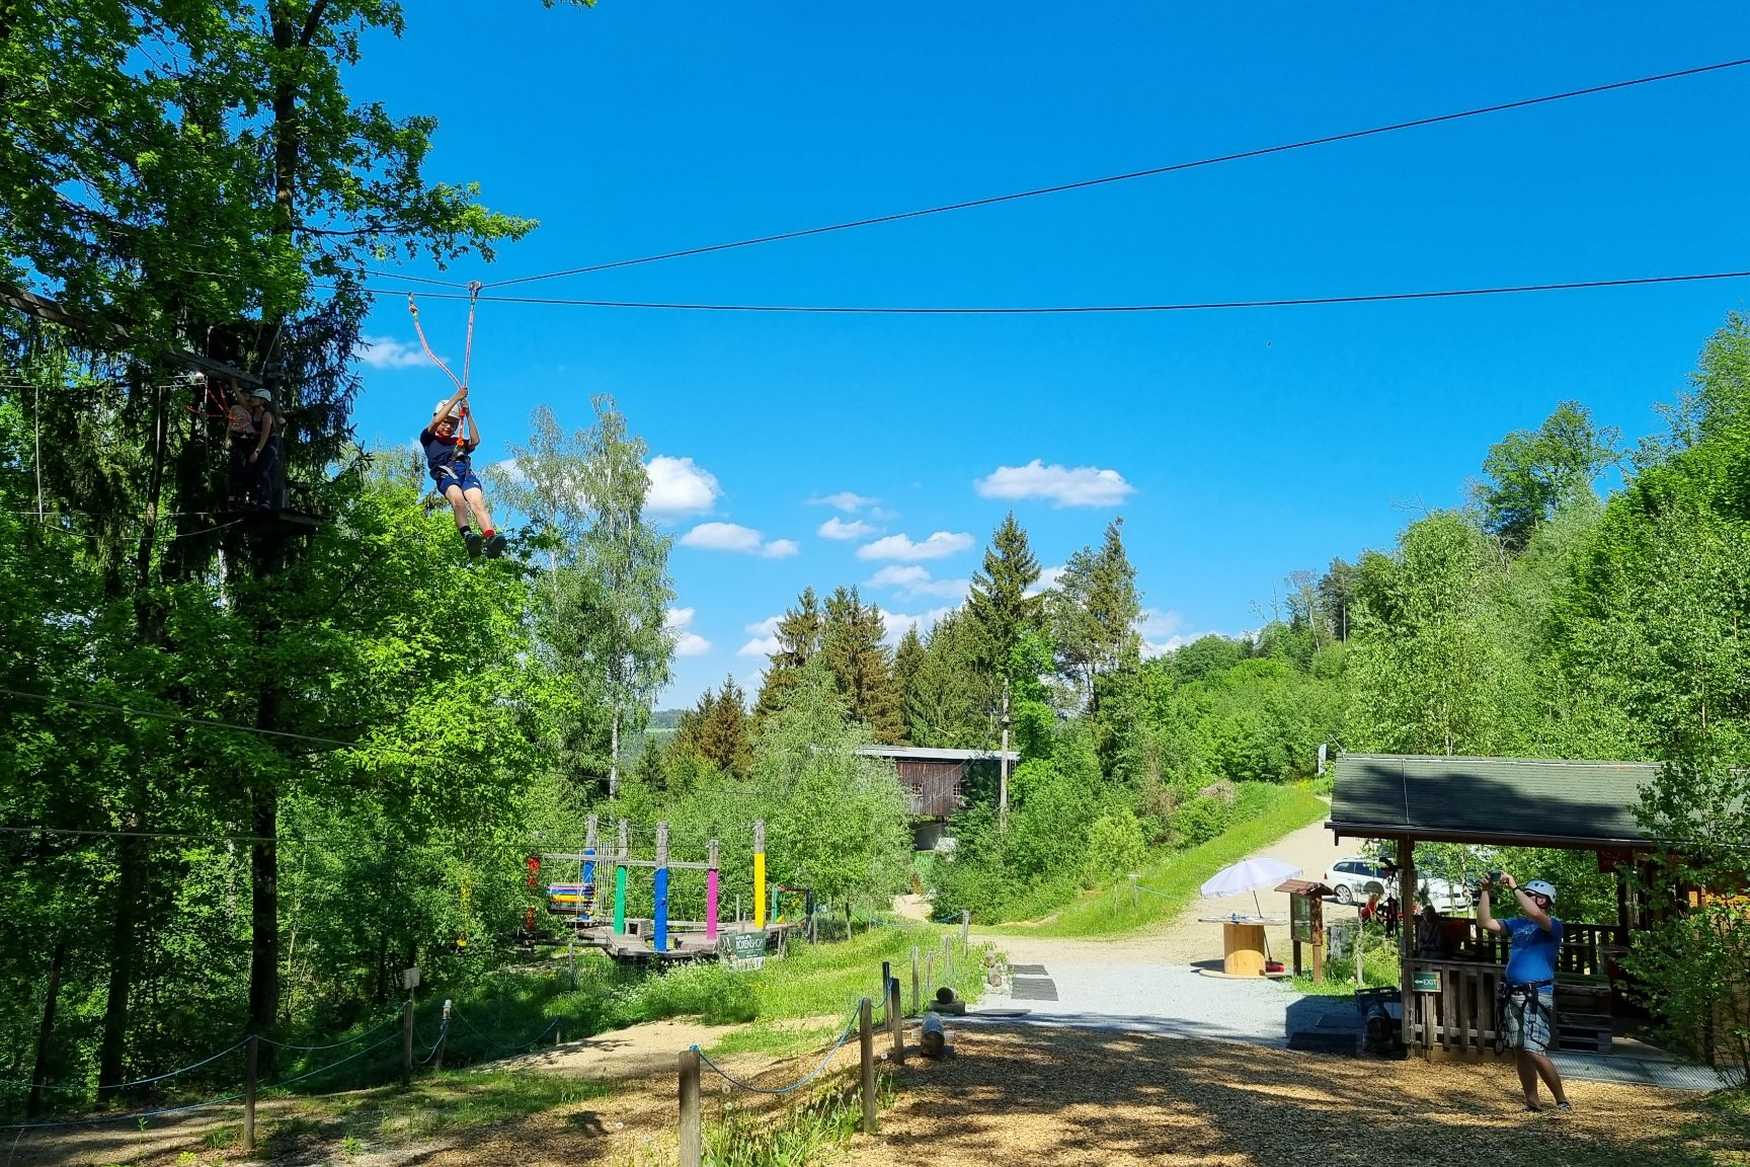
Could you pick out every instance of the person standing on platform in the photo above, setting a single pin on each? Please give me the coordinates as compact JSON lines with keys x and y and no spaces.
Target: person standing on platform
{"x":1529,"y":982}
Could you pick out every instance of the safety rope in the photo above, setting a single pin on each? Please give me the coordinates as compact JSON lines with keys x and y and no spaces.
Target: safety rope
{"x":390,"y":1020}
{"x":137,"y":1081}
{"x":443,"y":1032}
{"x":820,"y":1067}
{"x":467,"y":351}
{"x":338,"y":1062}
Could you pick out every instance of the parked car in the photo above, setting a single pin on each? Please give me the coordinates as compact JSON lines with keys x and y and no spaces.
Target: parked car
{"x":1355,"y":878}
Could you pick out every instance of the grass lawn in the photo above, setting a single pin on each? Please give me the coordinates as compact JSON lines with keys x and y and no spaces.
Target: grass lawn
{"x":1171,"y":882}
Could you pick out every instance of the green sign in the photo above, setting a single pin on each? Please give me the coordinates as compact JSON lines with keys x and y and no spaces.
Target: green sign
{"x":1425,"y":982}
{"x":745,"y":951}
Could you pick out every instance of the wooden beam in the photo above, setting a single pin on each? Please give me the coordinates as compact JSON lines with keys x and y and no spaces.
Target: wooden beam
{"x":1406,"y":930}
{"x":50,"y":312}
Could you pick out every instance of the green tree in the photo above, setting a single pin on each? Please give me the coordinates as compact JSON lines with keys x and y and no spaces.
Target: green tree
{"x":716,"y":730}
{"x":798,"y":635}
{"x":1094,"y":615}
{"x":1531,"y":474}
{"x":839,"y":818}
{"x":851,"y":645}
{"x":908,"y":660}
{"x":947,"y":702}
{"x":1003,"y":608}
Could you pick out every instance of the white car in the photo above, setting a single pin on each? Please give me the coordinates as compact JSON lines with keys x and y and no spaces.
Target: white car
{"x":1355,"y":878}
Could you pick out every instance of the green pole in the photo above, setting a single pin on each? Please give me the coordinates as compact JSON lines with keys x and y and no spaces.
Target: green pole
{"x":619,"y":901}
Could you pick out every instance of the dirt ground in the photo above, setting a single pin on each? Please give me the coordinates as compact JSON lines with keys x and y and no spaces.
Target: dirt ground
{"x":1078,"y":1096}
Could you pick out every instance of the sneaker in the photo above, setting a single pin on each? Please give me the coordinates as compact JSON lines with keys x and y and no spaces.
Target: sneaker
{"x":472,"y":540}
{"x":495,"y":546}
{"x":1563,"y":1106}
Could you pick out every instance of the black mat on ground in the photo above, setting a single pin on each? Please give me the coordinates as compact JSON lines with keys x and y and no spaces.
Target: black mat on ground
{"x":1027,"y":970}
{"x":1033,"y":989}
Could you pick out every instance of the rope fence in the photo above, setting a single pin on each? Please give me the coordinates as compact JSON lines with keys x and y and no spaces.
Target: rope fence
{"x":819,"y":1068}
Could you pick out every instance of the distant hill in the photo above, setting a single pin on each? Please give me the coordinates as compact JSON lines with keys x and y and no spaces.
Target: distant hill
{"x":665,"y":719}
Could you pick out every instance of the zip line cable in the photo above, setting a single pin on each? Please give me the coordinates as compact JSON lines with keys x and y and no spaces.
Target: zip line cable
{"x":1095,"y":309}
{"x":184,"y":719}
{"x":1170,"y":168}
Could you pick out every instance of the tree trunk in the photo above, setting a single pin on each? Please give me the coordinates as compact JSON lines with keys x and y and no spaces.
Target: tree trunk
{"x":132,"y":852}
{"x":614,"y":756}
{"x":46,"y":1032}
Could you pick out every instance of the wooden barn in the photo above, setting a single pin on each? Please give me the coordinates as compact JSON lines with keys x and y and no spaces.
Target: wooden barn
{"x":937,"y":783}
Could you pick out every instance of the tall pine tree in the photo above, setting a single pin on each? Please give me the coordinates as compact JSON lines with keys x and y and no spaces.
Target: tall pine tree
{"x":1002,"y":612}
{"x":908,"y":660}
{"x":798,"y":636}
{"x":860,"y":663}
{"x":717,"y":729}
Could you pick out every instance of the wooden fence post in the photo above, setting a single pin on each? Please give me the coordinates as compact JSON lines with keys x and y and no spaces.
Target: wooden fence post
{"x":896,"y":1022}
{"x":948,"y":959}
{"x":886,"y":994}
{"x":691,"y":1143}
{"x":407,"y":1043}
{"x":251,"y":1062}
{"x":914,"y":978}
{"x":443,"y":1037}
{"x":866,"y":1047}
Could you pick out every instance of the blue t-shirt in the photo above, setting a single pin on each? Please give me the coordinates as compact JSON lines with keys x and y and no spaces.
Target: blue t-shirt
{"x":441,"y":452}
{"x":1532,"y":956}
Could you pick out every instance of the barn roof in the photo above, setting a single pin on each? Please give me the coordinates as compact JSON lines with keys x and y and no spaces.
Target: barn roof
{"x":1506,"y":801}
{"x":931,"y":754}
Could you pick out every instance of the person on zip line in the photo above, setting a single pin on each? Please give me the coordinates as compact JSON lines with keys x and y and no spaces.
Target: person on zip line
{"x":449,"y":441}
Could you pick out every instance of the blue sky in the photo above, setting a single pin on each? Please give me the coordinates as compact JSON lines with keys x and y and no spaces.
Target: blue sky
{"x":1238,"y":446}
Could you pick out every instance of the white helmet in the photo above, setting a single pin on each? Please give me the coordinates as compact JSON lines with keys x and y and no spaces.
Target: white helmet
{"x":263,"y":394}
{"x":455,"y":411}
{"x":1541,"y":887}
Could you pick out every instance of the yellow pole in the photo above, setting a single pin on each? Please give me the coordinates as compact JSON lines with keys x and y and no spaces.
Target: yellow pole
{"x":759,"y":873}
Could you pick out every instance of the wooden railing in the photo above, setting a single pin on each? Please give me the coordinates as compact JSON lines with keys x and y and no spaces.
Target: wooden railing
{"x":1461,"y":1014}
{"x":1588,"y":950}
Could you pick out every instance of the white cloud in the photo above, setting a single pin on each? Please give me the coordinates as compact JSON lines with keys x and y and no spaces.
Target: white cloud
{"x":837,"y":528}
{"x":1047,"y":580}
{"x":385,"y":352}
{"x":738,"y":539}
{"x":511,"y":469}
{"x":913,"y":580}
{"x":939,"y":544}
{"x":845,"y":500}
{"x":1162,"y":632}
{"x":765,"y":638}
{"x":686,"y":642}
{"x":679,"y":486}
{"x":1083,"y":486}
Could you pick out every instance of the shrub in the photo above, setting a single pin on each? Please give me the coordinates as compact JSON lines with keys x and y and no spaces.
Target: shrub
{"x":1200,"y":820}
{"x":1115,"y":845}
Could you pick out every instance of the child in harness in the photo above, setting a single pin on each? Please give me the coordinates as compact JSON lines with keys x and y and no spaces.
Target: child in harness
{"x":1529,"y":981}
{"x":448,"y":451}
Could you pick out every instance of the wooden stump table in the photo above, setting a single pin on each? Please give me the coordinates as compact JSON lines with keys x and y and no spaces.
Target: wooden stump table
{"x":1242,"y":944}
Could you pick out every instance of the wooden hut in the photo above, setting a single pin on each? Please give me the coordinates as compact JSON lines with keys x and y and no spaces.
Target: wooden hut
{"x":1449,"y":998}
{"x":937,"y":783}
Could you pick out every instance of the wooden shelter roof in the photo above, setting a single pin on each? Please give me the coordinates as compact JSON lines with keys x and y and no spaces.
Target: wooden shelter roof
{"x":1502,"y":801}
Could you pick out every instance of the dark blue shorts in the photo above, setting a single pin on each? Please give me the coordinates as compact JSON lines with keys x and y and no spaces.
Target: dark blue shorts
{"x":448,"y":476}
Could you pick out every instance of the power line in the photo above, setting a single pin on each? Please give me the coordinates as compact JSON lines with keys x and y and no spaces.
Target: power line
{"x":1094,"y":309}
{"x":91,"y":832}
{"x":1170,"y":168}
{"x":182,"y":718}
{"x":415,"y":279}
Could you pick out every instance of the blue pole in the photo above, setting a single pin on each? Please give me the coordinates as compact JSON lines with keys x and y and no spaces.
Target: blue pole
{"x":661,"y":909}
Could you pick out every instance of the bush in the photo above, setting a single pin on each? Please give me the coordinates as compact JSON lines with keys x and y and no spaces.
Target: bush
{"x":716,"y":995}
{"x":1200,"y":820}
{"x":1115,"y":846}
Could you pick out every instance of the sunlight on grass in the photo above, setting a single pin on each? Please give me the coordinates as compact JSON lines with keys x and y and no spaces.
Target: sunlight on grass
{"x":1170,"y":884}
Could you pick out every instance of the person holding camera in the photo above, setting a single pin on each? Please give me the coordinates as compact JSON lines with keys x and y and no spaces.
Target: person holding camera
{"x":1529,"y":982}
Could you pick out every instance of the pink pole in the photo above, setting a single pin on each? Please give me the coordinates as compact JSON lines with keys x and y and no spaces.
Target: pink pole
{"x":711,"y":904}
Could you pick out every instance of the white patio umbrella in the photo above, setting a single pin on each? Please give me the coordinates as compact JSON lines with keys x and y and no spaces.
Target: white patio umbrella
{"x":1248,"y":875}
